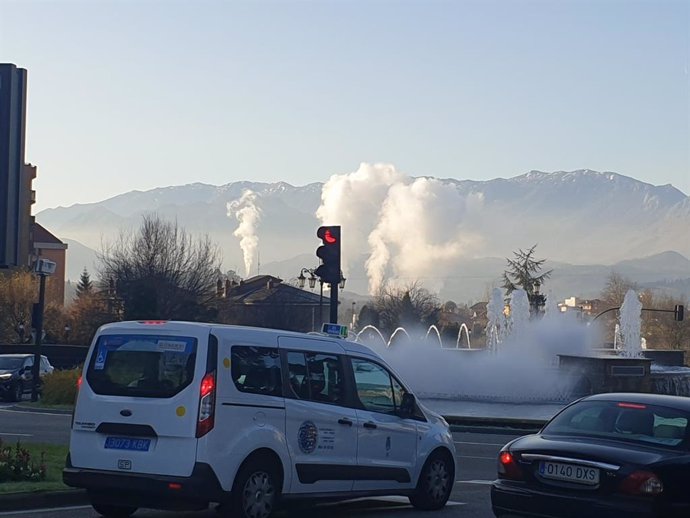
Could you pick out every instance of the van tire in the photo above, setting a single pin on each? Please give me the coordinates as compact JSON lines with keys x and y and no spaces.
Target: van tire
{"x":256,"y":489}
{"x":435,"y":483}
{"x":114,"y":511}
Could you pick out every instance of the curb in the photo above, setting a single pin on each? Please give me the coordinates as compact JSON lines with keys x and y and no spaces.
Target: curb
{"x":494,"y":424}
{"x":39,"y":410}
{"x":39,"y":499}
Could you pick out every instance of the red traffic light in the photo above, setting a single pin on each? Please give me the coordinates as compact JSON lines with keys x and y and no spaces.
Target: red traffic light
{"x":329,"y":235}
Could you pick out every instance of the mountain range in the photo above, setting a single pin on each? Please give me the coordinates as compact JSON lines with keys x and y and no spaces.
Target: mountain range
{"x":452,"y":235}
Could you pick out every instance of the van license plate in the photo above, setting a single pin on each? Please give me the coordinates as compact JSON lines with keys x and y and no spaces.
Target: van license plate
{"x":569,"y":473}
{"x":127,"y":443}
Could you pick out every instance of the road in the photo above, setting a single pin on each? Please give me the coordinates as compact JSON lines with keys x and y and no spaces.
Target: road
{"x":51,"y":428}
{"x":476,"y":453}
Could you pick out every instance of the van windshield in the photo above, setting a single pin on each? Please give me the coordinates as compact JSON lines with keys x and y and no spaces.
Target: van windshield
{"x":142,"y":365}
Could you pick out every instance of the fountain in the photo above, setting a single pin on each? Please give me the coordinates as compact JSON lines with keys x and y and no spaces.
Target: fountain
{"x":467,"y":335}
{"x":542,"y":360}
{"x":630,"y":317}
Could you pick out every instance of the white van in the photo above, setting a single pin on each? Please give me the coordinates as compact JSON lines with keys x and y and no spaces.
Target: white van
{"x":179,"y":415}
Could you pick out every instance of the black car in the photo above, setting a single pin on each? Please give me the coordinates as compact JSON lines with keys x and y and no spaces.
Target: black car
{"x":608,"y":455}
{"x":16,"y":374}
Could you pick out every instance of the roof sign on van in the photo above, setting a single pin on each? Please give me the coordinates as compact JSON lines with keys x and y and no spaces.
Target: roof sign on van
{"x":338,"y":330}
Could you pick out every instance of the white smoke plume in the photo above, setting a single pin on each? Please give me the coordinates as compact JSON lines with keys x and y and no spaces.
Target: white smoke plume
{"x":410,"y":228}
{"x":248,"y":214}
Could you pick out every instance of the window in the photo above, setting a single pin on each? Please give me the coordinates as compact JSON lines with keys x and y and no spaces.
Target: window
{"x":256,"y":370}
{"x":622,"y":421}
{"x":315,"y":377}
{"x":142,"y":365}
{"x":374,"y":387}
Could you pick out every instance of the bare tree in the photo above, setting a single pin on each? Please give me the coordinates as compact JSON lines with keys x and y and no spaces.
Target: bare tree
{"x":616,"y":287}
{"x":18,"y":292}
{"x":661,"y":330}
{"x":161,"y":272}
{"x":408,"y":306}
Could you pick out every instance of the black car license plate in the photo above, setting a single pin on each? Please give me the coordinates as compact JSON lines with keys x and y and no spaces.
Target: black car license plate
{"x":569,"y":473}
{"x":127,"y":443}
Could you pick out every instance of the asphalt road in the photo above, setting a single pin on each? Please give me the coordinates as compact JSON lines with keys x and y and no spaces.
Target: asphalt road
{"x":476,"y":453}
{"x":51,"y":427}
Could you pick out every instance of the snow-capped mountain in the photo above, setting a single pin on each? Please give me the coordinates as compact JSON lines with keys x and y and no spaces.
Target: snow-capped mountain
{"x":577,"y":217}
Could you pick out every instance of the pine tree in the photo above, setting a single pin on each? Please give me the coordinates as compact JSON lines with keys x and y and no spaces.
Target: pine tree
{"x":523,"y":272}
{"x":85,"y":285}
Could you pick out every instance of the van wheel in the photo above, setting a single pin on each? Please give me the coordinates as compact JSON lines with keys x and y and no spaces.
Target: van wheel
{"x":435,"y":483}
{"x":256,"y":489}
{"x":114,"y":511}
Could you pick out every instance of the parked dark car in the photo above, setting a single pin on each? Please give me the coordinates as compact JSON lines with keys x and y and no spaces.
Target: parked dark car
{"x":607,"y":455}
{"x":16,"y":374}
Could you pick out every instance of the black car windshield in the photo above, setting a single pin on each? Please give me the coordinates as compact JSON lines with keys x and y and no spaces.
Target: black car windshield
{"x":631,"y":422}
{"x":142,"y":365}
{"x":10,"y":363}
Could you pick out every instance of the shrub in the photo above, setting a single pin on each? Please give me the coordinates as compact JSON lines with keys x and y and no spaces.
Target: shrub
{"x":16,"y":464}
{"x":60,"y":387}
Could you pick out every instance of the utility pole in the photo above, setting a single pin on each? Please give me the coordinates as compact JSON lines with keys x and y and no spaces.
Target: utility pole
{"x":43,"y":268}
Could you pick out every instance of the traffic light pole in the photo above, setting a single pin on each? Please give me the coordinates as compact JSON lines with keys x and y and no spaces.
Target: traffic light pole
{"x":334,"y":303}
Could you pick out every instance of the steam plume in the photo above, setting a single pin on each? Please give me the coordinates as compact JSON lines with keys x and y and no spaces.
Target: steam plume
{"x":248,"y":214}
{"x":411,"y":228}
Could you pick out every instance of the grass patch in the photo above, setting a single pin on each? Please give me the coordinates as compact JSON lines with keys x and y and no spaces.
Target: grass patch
{"x":55,"y":456}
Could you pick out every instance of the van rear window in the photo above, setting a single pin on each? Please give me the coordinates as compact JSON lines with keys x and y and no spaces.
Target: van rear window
{"x":142,"y":365}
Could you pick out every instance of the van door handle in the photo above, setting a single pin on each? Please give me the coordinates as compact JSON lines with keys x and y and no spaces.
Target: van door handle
{"x":345,"y":421}
{"x":370,"y":425}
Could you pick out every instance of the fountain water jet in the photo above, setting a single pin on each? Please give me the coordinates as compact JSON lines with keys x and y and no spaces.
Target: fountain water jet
{"x":438,"y":335}
{"x":370,"y":327}
{"x":630,"y":325}
{"x":467,"y":335}
{"x":398,"y":330}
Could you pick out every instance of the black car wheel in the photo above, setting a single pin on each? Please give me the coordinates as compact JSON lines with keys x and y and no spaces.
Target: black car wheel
{"x":435,"y":482}
{"x":114,"y":511}
{"x":256,"y":489}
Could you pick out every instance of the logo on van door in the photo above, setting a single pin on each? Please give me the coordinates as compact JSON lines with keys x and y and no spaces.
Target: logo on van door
{"x":308,"y":436}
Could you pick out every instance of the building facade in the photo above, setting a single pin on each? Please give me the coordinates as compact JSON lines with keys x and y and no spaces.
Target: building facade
{"x":14,"y":245}
{"x":22,"y":240}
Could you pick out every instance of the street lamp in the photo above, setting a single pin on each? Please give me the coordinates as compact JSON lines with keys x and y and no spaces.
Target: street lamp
{"x":67,"y":331}
{"x":21,"y":332}
{"x":301,"y":279}
{"x":43,"y":268}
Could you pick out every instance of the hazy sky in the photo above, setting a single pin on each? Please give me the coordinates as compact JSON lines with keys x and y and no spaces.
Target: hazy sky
{"x":128,"y":95}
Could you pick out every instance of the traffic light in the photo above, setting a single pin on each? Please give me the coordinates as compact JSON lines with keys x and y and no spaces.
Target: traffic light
{"x":329,"y":253}
{"x":679,"y":312}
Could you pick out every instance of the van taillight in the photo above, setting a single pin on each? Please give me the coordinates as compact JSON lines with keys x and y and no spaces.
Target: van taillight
{"x":76,"y":396}
{"x":206,"y":404}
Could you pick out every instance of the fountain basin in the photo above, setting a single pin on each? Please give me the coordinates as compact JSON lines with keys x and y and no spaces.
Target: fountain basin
{"x":607,"y":373}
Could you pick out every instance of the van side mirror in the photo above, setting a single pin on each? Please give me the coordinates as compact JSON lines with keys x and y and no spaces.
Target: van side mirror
{"x":407,"y":406}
